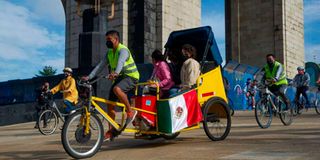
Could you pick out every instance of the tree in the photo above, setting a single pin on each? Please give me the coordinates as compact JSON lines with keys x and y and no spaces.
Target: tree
{"x":47,"y":71}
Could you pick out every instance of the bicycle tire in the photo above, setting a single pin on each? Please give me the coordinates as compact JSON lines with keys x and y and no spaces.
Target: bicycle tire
{"x":285,"y":114}
{"x":48,"y":122}
{"x":295,"y":110}
{"x":230,"y":103}
{"x":317,"y":106}
{"x":80,"y":138}
{"x":216,"y":118}
{"x":263,"y":110}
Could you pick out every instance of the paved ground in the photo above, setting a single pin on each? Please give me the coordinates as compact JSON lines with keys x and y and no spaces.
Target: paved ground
{"x":301,"y":140}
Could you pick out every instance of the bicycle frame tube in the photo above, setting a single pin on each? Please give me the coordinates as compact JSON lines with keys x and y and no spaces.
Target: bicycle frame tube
{"x":103,"y":113}
{"x":54,"y":105}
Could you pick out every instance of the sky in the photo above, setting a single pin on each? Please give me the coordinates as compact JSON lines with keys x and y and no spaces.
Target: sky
{"x":33,"y":36}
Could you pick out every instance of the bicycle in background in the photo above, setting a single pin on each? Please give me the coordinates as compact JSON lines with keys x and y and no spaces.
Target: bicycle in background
{"x":49,"y":118}
{"x":269,"y":105}
{"x":316,"y":102}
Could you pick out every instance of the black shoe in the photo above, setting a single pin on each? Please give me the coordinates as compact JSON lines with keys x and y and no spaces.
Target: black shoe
{"x":36,"y":126}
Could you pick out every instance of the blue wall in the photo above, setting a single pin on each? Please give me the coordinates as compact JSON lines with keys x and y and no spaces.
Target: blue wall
{"x":237,"y":75}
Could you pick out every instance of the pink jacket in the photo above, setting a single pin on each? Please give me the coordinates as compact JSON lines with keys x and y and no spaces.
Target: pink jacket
{"x":161,"y":71}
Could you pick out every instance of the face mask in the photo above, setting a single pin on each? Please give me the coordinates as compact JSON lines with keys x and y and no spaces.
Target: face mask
{"x":109,"y":44}
{"x":270,"y":63}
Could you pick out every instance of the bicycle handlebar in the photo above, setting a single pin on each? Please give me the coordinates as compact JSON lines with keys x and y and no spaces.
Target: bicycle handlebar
{"x":88,"y":84}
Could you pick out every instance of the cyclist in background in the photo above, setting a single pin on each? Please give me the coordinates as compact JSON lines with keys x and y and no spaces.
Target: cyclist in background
{"x":251,"y":88}
{"x":41,"y":101}
{"x":301,"y":81}
{"x":274,"y":72}
{"x":68,"y":87}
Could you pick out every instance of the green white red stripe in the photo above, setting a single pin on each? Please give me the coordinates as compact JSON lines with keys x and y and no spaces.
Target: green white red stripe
{"x":179,"y":112}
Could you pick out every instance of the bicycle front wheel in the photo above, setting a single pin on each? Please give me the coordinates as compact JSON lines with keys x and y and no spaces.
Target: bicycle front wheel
{"x":263,"y":113}
{"x":317,"y":106}
{"x":76,"y":142}
{"x":48,"y":122}
{"x":286,"y":113}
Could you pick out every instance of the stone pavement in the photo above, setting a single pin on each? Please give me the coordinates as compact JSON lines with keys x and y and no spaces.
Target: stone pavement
{"x":246,"y":140}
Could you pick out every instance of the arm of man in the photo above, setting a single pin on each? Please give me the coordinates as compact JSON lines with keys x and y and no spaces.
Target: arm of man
{"x":279,"y":72}
{"x":307,"y":80}
{"x":123,"y":56}
{"x":98,"y":68}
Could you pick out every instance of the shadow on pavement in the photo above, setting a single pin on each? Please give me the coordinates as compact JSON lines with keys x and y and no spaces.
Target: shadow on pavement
{"x":35,"y":155}
{"x":127,"y":143}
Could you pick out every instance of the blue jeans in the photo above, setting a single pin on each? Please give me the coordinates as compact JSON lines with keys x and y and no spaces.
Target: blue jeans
{"x":69,"y":106}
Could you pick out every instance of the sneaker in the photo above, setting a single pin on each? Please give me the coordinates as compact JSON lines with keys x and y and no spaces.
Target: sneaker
{"x":108,"y":136}
{"x":130,"y":116}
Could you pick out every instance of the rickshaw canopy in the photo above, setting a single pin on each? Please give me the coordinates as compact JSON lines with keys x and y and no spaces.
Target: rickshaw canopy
{"x":201,"y":38}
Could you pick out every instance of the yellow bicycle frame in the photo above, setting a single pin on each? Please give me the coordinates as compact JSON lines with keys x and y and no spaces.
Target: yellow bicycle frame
{"x":86,"y":118}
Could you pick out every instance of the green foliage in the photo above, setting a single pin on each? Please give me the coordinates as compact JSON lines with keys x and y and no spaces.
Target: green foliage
{"x":47,"y":71}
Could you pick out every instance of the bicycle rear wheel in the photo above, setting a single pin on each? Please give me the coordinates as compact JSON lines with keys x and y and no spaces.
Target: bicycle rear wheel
{"x":216,"y":119}
{"x":78,"y":144}
{"x":286,"y":113}
{"x":295,"y":109}
{"x":263,"y":113}
{"x":231,"y":106}
{"x":48,"y":122}
{"x":317,"y":106}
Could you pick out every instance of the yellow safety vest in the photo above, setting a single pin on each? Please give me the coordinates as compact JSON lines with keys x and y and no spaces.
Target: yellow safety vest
{"x":129,"y":68}
{"x":272,"y":74}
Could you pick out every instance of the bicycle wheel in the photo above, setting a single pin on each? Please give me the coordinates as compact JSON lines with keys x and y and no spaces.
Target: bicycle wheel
{"x":317,"y":106}
{"x":295,"y":110}
{"x":286,"y":114}
{"x":231,"y":107}
{"x":48,"y":122}
{"x":216,"y":119}
{"x":263,"y":113}
{"x":74,"y":140}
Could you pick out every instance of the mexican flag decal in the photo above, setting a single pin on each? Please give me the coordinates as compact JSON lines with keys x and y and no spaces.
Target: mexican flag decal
{"x":178,"y":112}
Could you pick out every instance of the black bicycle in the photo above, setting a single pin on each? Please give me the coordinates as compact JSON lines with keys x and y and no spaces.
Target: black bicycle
{"x":231,"y":106}
{"x":298,"y":105}
{"x":316,"y":102}
{"x":269,"y":105}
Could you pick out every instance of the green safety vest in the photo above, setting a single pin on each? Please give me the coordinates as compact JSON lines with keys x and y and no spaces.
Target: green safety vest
{"x":129,"y":68}
{"x":272,"y":74}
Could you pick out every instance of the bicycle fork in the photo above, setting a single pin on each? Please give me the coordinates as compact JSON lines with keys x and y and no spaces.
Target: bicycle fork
{"x":85,"y":121}
{"x":274,"y":107}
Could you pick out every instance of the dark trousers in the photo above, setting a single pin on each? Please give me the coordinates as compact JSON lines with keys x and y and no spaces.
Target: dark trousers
{"x":301,"y":90}
{"x":279,"y":90}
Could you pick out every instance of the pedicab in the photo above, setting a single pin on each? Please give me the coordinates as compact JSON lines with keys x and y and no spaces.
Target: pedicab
{"x":83,"y":132}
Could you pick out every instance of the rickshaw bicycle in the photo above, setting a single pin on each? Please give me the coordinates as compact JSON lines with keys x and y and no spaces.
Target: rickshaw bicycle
{"x":82,"y":134}
{"x":269,"y":105}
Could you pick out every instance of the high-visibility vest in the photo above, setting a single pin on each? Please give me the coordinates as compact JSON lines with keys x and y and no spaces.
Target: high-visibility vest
{"x":129,"y":68}
{"x":272,"y":74}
